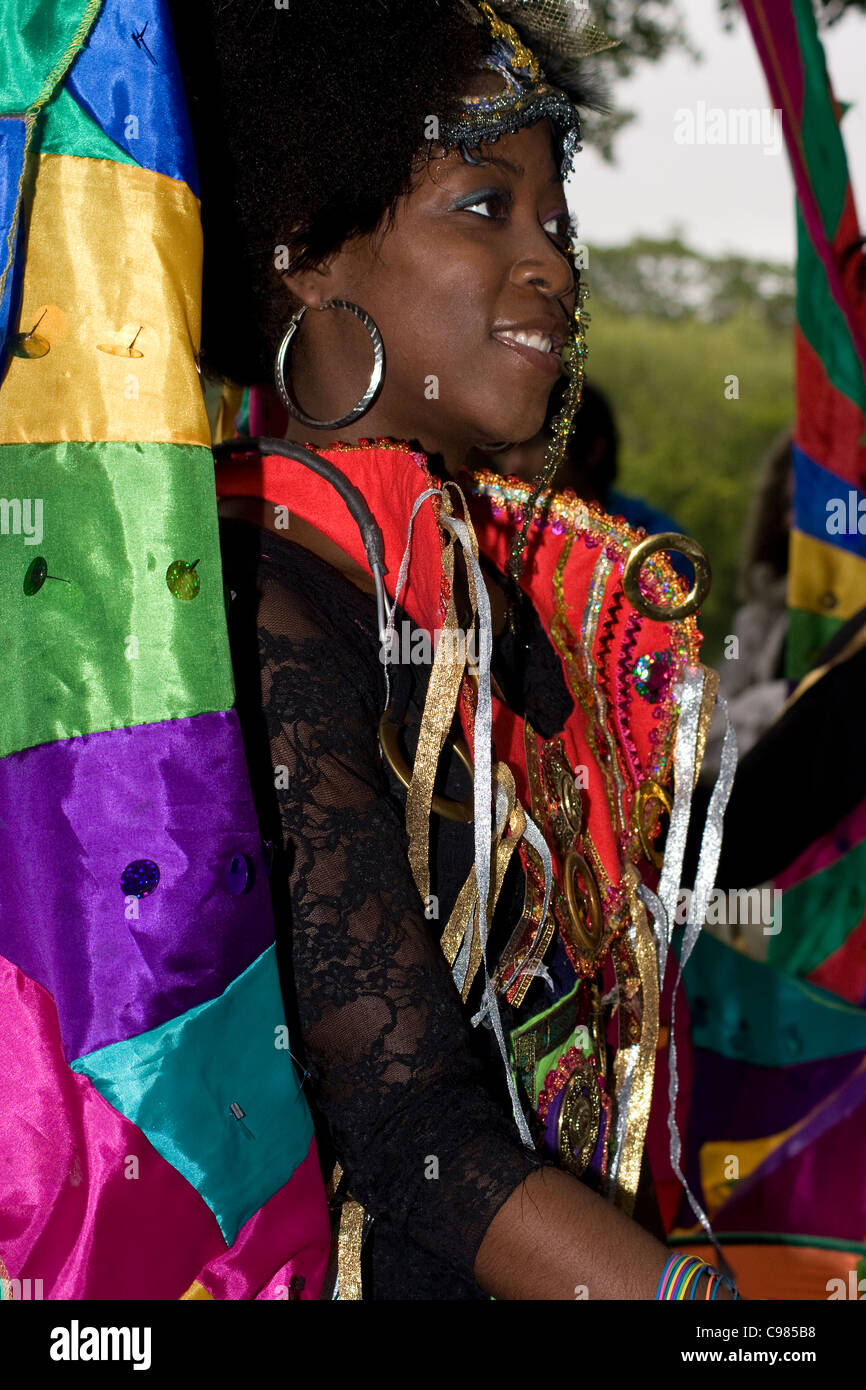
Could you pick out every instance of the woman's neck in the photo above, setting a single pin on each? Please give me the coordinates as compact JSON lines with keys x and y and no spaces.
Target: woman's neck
{"x":300,"y":532}
{"x":444,"y":459}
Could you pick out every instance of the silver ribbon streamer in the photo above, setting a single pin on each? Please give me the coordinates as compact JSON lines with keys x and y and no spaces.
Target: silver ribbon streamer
{"x":663,"y":913}
{"x":705,"y":876}
{"x":688,"y":695}
{"x":483,"y":804}
{"x":386,"y":631}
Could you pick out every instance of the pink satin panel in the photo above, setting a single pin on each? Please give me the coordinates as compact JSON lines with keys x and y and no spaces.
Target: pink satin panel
{"x":296,"y":1219}
{"x":68,"y":1215}
{"x":826,"y":851}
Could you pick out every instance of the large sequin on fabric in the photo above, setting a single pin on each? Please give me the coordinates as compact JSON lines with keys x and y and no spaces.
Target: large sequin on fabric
{"x":139,"y":878}
{"x":652,"y":675}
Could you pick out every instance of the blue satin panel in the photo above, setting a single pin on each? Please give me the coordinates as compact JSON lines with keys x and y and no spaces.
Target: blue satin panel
{"x":814,"y":487}
{"x":178,"y":1081}
{"x":114,"y":78}
{"x":11,"y":158}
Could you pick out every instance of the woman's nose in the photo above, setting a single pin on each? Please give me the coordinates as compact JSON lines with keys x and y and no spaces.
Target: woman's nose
{"x":547,"y":270}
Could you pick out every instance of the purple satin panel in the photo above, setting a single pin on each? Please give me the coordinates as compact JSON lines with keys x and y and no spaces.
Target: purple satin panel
{"x":733,"y":1101}
{"x":813,"y":1183}
{"x":73,"y":815}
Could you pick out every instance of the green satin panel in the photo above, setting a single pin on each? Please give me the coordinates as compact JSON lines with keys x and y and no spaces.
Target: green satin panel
{"x":36,"y":35}
{"x":114,"y":517}
{"x":178,"y":1082}
{"x":65,"y":129}
{"x":807,"y":634}
{"x":819,"y":914}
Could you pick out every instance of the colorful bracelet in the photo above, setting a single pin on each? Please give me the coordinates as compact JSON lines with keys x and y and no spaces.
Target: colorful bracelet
{"x":681,"y":1276}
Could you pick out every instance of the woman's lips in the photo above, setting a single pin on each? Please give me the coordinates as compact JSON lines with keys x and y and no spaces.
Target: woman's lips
{"x":544,"y":357}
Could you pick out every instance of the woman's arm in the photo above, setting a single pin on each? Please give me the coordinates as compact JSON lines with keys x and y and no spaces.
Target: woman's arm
{"x":556,"y":1239}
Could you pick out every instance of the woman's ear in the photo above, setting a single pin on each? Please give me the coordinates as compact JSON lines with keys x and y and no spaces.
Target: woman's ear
{"x":312,"y":287}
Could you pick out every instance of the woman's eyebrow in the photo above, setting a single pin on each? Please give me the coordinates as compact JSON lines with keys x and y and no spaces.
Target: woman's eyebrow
{"x":519,"y":171}
{"x":503,"y":163}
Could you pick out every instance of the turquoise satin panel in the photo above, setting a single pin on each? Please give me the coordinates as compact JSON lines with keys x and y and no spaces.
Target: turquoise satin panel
{"x":36,"y":34}
{"x":750,"y":1012}
{"x":113,"y":646}
{"x":65,"y":129}
{"x":178,"y":1081}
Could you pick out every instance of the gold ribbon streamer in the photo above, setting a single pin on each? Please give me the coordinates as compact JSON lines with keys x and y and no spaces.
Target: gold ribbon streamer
{"x":436,"y":720}
{"x":467,"y":905}
{"x":705,"y":716}
{"x":640,"y":1099}
{"x":349,"y":1241}
{"x":349,"y":1251}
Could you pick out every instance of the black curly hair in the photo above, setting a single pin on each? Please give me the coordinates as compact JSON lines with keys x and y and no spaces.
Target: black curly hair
{"x":308,"y":121}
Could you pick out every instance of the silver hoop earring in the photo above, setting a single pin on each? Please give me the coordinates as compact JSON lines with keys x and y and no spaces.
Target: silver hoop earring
{"x":373,"y":385}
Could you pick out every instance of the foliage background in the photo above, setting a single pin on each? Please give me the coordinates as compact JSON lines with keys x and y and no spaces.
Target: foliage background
{"x":667,"y":326}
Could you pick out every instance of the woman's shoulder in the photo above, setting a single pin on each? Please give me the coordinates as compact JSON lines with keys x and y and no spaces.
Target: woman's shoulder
{"x":295,"y":593}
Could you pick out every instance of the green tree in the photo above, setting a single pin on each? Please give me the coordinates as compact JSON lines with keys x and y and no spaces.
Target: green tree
{"x":651,"y":29}
{"x":692,"y":442}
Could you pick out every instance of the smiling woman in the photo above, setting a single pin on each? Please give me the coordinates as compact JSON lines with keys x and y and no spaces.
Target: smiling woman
{"x":472,"y":262}
{"x":461,"y":920}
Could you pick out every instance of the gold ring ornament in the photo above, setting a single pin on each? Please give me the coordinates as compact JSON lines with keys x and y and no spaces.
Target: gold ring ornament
{"x":569,"y":798}
{"x":649,"y":791}
{"x":446,"y":806}
{"x":584,"y":909}
{"x":683,"y":545}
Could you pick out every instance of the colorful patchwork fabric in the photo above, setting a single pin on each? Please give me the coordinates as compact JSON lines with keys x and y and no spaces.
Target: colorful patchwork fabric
{"x":828,"y":561}
{"x":155,"y":1141}
{"x":823,"y":908}
{"x":777,"y":1125}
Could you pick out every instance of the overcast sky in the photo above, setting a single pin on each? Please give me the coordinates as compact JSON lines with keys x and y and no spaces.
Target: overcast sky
{"x":724,"y":197}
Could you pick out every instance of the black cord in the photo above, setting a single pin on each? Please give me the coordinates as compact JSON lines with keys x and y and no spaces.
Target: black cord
{"x":353,"y":498}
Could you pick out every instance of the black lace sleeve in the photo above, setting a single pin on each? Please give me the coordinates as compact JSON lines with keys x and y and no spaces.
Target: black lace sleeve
{"x":426,"y":1145}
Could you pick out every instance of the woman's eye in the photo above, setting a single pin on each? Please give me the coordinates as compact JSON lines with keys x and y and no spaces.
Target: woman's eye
{"x":557,"y":226}
{"x":487,"y":203}
{"x":489,"y":206}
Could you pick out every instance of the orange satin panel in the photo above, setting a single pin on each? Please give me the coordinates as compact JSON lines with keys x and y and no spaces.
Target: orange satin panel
{"x":787,"y":1272}
{"x":112,"y":249}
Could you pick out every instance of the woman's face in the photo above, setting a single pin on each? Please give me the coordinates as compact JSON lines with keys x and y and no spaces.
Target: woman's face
{"x":472,"y":293}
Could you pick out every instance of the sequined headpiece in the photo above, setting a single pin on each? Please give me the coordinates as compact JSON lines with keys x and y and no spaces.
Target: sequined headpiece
{"x":563,"y":32}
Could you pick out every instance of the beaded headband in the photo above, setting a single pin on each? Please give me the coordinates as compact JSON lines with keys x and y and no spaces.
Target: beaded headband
{"x":563,"y":31}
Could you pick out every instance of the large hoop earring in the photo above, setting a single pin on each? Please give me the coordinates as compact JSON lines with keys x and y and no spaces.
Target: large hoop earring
{"x":373,"y":385}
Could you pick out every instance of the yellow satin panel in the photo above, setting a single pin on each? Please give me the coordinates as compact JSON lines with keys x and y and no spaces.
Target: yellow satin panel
{"x":749,"y":1153}
{"x":113,"y":251}
{"x":818,"y":571}
{"x":195,"y":1290}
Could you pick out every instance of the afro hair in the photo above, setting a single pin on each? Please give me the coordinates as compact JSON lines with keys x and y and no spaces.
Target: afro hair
{"x":308,"y":121}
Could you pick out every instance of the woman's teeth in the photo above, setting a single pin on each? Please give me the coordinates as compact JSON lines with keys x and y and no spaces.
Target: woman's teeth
{"x":540,"y":341}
